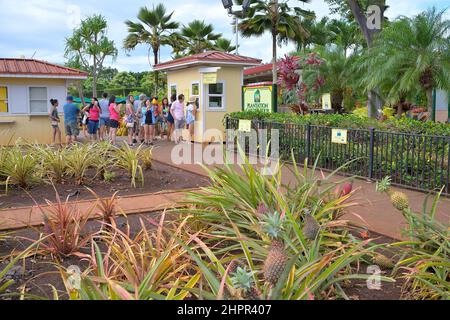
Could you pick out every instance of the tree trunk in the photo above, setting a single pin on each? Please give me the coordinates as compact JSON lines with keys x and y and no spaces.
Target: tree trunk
{"x":155,"y":54}
{"x":374,"y":102}
{"x":430,"y":102}
{"x":79,"y":86}
{"x":274,"y":41}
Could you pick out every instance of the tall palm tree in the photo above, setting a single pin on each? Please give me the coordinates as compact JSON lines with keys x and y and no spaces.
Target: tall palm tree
{"x":282,"y":21}
{"x":224,"y":45}
{"x":319,"y":34}
{"x":154,"y":28}
{"x":415,"y":50}
{"x":345,"y":33}
{"x":199,"y":36}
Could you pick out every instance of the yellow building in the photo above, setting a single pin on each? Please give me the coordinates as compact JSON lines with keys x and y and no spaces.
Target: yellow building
{"x":215,"y":79}
{"x":26,"y":86}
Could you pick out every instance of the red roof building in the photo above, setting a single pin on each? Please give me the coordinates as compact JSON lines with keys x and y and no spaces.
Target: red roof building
{"x":261,"y":73}
{"x":208,"y":58}
{"x":31,"y":68}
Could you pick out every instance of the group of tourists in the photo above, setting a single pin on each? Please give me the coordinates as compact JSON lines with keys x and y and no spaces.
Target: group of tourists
{"x":146,"y":119}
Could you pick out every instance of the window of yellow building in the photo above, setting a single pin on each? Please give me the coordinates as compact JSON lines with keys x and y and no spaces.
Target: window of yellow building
{"x":216,"y":97}
{"x":38,"y":100}
{"x":3,"y":100}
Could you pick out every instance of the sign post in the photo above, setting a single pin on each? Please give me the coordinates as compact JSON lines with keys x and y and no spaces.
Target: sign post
{"x":326,"y":102}
{"x":260,"y":98}
{"x":339,"y":136}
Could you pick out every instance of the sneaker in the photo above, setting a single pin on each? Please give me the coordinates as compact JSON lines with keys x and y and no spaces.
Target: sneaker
{"x":135,"y":141}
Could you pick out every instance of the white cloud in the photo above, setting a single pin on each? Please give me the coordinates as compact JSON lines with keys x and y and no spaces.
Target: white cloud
{"x":41,"y":25}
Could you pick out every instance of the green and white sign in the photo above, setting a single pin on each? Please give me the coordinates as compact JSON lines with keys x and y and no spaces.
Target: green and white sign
{"x":259,"y":98}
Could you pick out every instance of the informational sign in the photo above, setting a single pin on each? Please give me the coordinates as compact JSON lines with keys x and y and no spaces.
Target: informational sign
{"x":245,"y":125}
{"x":326,"y":101}
{"x":339,"y":136}
{"x":258,"y":98}
{"x":210,"y":78}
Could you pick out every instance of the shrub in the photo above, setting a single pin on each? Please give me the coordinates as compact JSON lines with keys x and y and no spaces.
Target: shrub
{"x":79,"y":159}
{"x":19,"y":168}
{"x":128,"y":159}
{"x":52,"y":162}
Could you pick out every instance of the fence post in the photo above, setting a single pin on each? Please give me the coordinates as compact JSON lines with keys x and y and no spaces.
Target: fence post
{"x":308,"y":142}
{"x":371,"y":152}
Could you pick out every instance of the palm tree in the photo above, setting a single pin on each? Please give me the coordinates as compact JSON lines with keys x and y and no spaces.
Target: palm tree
{"x":319,"y":34}
{"x":178,"y":43}
{"x":414,"y":54}
{"x":335,"y":72}
{"x":345,"y":33}
{"x":224,"y":45}
{"x":154,"y":28}
{"x":283,"y":22}
{"x":199,"y":36}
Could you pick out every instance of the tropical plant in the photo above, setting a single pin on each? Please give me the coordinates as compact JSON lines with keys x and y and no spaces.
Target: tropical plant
{"x":199,"y":36}
{"x":20,"y":168}
{"x":148,"y":266}
{"x":128,"y":159}
{"x":224,"y":45}
{"x":52,"y":162}
{"x":146,"y":158}
{"x":154,"y":29}
{"x":424,"y":263}
{"x":79,"y":159}
{"x":64,"y":231}
{"x":89,"y":46}
{"x":282,"y":21}
{"x":412,"y":54}
{"x":108,"y":208}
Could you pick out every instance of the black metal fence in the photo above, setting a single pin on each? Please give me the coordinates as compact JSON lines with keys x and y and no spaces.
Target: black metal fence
{"x":420,"y":162}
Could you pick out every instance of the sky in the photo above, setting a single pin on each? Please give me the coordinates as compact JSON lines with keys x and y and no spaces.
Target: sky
{"x":38,"y":28}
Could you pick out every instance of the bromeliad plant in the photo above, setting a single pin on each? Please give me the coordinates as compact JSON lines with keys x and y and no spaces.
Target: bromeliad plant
{"x":19,"y":168}
{"x":80,"y":158}
{"x":64,"y":228}
{"x":151,"y":265}
{"x":425,"y":262}
{"x":52,"y":162}
{"x":128,"y":159}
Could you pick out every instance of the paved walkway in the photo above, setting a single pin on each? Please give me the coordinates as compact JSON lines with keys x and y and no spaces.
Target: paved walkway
{"x":18,"y":218}
{"x":373,"y":209}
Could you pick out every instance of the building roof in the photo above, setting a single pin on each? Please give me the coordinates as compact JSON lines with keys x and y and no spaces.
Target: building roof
{"x":261,"y":69}
{"x":19,"y":68}
{"x":209,"y":57}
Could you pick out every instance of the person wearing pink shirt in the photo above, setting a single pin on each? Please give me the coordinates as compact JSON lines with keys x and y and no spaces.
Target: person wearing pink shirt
{"x":114,"y":111}
{"x":94,"y":118}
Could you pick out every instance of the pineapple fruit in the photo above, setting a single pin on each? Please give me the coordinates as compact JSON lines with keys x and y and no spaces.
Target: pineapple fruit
{"x":276,"y":260}
{"x":383,"y":261}
{"x":243,"y":280}
{"x":399,"y":200}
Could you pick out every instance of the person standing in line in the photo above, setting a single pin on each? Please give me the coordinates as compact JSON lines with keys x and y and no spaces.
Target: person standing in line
{"x":130,"y":119}
{"x":166,"y":111}
{"x":94,"y":112}
{"x":178,"y":112}
{"x":191,"y":112}
{"x":148,"y":123}
{"x":142,"y":111}
{"x":136,"y":105}
{"x":170,"y":119}
{"x":114,"y":122}
{"x":157,"y":119}
{"x":104,"y":119}
{"x":71,"y":112}
{"x":55,"y":120}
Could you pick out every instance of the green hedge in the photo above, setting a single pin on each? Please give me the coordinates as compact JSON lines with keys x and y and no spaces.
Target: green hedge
{"x":350,"y":121}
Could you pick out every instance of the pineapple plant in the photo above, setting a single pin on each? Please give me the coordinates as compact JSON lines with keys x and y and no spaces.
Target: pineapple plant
{"x":277,"y":258}
{"x":399,"y":200}
{"x":243,"y":281}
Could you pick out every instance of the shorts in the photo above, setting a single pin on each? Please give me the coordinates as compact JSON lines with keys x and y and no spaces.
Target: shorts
{"x":104,"y":122}
{"x":114,"y":124}
{"x":93,"y":126}
{"x":179,"y":124}
{"x":149,"y":121}
{"x":72,"y":129}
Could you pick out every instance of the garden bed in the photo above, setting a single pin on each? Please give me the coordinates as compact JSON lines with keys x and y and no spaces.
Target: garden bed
{"x":39,"y":277}
{"x":161,"y":178}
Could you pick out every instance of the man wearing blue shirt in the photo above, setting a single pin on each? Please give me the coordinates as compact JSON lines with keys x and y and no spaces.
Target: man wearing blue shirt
{"x":71,"y":112}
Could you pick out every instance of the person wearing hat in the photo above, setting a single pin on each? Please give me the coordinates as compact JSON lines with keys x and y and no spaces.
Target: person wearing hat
{"x":71,"y":112}
{"x":191,"y":111}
